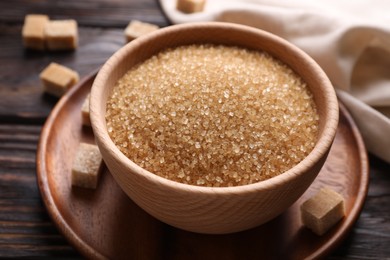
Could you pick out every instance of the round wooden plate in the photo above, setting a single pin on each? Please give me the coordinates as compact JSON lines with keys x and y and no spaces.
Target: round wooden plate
{"x":105,"y":223}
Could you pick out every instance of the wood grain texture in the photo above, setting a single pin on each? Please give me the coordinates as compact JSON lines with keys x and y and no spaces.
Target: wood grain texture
{"x":25,"y":227}
{"x":94,"y":13}
{"x":26,"y":230}
{"x":19,"y":76}
{"x":84,"y":217}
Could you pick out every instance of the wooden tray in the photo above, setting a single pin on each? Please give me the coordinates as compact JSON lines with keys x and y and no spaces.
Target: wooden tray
{"x":105,"y":223}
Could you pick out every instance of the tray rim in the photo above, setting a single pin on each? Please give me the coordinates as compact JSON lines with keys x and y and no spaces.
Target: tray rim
{"x":42,"y":179}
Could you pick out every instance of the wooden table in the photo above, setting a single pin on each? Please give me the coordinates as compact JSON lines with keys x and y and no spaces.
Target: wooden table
{"x":25,"y":227}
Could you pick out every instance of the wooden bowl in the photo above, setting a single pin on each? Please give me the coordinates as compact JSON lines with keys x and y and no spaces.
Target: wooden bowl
{"x":214,"y":210}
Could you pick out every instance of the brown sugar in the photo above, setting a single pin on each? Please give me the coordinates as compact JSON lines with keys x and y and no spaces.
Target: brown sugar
{"x":213,"y":116}
{"x":33,"y":31}
{"x":86,"y":166}
{"x":190,"y":6}
{"x":322,"y":211}
{"x":136,"y":29}
{"x":85,"y":115}
{"x":61,"y":35}
{"x":57,"y":79}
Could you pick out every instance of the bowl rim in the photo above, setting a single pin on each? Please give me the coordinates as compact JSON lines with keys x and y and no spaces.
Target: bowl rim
{"x":322,"y":146}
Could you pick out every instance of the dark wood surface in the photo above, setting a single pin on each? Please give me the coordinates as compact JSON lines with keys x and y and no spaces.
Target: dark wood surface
{"x":25,"y":227}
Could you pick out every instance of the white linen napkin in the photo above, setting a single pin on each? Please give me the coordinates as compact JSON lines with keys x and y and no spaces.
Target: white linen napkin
{"x":349,"y":39}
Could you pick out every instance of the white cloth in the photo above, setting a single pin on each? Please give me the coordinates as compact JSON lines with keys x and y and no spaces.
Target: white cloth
{"x":349,"y":39}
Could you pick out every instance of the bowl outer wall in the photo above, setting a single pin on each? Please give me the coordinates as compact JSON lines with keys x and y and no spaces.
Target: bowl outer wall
{"x":204,"y":209}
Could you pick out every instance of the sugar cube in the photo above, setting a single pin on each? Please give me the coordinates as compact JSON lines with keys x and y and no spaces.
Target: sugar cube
{"x":57,"y":79}
{"x":61,"y":35}
{"x":137,"y":28}
{"x":190,"y":6}
{"x":322,"y":211}
{"x":85,"y":112}
{"x":33,"y":31}
{"x":86,"y":166}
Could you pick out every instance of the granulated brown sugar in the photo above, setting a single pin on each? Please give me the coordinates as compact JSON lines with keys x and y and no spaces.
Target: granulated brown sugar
{"x":213,"y":116}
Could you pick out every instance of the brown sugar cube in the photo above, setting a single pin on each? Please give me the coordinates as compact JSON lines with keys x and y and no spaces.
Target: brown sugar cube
{"x":33,"y":31}
{"x":137,"y":28}
{"x":86,"y":166}
{"x":190,"y":6}
{"x":61,"y":35}
{"x":57,"y":79}
{"x":322,"y":211}
{"x":85,"y":112}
